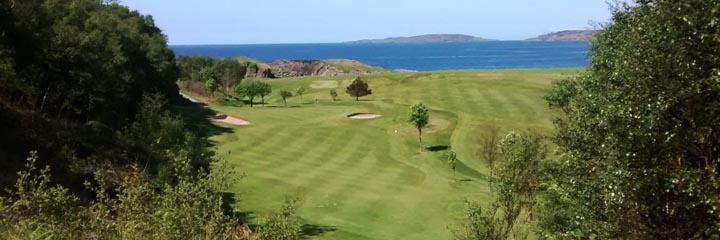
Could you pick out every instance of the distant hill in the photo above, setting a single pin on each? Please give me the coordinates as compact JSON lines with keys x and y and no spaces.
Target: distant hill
{"x":428,"y":38}
{"x":567,"y":35}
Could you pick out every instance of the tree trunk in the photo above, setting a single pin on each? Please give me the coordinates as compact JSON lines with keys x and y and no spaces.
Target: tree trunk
{"x":262,"y":100}
{"x":251,"y":102}
{"x":357,"y":98}
{"x":420,"y":138}
{"x":285,"y":101}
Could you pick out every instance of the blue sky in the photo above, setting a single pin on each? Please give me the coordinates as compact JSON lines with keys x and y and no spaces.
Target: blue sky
{"x":319,"y":21}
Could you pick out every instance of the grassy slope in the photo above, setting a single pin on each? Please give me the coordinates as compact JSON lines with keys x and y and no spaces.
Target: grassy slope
{"x":358,"y":178}
{"x":352,"y":66}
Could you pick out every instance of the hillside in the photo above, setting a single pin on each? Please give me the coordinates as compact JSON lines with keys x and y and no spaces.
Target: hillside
{"x":428,"y":38}
{"x":567,"y":35}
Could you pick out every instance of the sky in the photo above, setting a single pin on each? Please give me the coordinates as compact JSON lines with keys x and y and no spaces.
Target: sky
{"x":326,"y":21}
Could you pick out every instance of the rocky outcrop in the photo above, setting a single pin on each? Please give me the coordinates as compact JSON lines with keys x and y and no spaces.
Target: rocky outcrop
{"x":298,"y":68}
{"x":567,"y":35}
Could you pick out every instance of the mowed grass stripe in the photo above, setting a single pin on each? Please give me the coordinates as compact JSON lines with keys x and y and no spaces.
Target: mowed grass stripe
{"x":288,"y":157}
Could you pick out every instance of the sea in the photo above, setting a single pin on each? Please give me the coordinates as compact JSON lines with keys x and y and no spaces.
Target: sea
{"x":413,"y":56}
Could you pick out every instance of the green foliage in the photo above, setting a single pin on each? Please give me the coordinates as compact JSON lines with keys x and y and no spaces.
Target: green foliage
{"x":516,"y":184}
{"x":76,"y":59}
{"x":252,"y":89}
{"x":480,"y":224}
{"x":489,"y":145}
{"x":452,"y":161}
{"x":36,"y":210}
{"x":637,"y":137}
{"x":333,"y":94}
{"x":285,"y":95}
{"x":264,"y":89}
{"x":419,"y":117}
{"x":211,"y":86}
{"x":190,"y":209}
{"x":300,"y":91}
{"x":283,"y":224}
{"x":358,"y":88}
{"x":519,"y":175}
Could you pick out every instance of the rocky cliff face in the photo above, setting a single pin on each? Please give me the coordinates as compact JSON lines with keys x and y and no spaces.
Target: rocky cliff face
{"x":297,"y":68}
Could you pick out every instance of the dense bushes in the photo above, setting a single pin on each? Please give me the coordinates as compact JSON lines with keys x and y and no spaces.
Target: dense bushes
{"x":78,"y":59}
{"x":638,"y":134}
{"x":86,"y":83}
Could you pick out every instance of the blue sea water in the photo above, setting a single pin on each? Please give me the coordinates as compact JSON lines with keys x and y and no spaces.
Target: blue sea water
{"x":414,"y":56}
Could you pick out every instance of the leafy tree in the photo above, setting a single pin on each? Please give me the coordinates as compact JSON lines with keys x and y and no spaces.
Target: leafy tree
{"x":638,"y":132}
{"x":264,"y":89}
{"x":211,"y":86}
{"x":452,"y":160}
{"x":419,"y":117}
{"x":358,"y":88}
{"x":299,"y":91}
{"x":333,"y":94}
{"x":252,"y":89}
{"x":230,"y":72}
{"x":516,"y":185}
{"x":519,"y":174}
{"x":285,"y":95}
{"x":489,"y":142}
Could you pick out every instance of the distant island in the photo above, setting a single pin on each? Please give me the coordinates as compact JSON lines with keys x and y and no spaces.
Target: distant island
{"x":427,"y":38}
{"x":567,"y":35}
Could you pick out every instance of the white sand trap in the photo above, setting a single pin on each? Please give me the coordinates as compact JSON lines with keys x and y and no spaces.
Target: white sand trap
{"x":324,"y":84}
{"x":230,"y":120}
{"x":364,"y":116}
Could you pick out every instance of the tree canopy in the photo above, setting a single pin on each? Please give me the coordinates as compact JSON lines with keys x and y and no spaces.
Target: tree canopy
{"x":638,"y":135}
{"x":358,"y":88}
{"x":75,"y":59}
{"x":419,"y":117}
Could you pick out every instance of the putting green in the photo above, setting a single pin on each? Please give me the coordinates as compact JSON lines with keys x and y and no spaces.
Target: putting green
{"x":368,"y":179}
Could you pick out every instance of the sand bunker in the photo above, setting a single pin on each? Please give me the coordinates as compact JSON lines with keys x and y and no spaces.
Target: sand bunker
{"x":230,"y":120}
{"x":324,"y":84}
{"x":363,"y":116}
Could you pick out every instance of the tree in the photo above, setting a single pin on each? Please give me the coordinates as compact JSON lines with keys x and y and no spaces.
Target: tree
{"x":250,"y":89}
{"x":452,"y":160}
{"x":299,"y":91}
{"x":419,"y":117}
{"x":285,"y":95}
{"x":638,"y":135}
{"x":489,"y":140}
{"x":515,"y":185}
{"x":333,"y":94}
{"x":211,"y":86}
{"x":358,"y":88}
{"x":518,"y":176}
{"x":264,"y":89}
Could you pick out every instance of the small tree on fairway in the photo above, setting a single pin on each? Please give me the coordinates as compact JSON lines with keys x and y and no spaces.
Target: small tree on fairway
{"x":419,"y":117}
{"x":211,"y":86}
{"x":333,"y":94}
{"x":249,"y":89}
{"x":452,"y":160}
{"x":300,"y":92}
{"x":285,"y":95}
{"x":264,"y":89}
{"x":358,"y":88}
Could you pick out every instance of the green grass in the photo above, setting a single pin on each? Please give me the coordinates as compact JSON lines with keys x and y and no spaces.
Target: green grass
{"x":358,"y":179}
